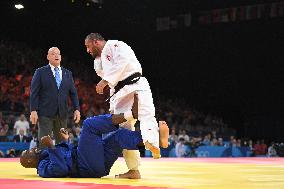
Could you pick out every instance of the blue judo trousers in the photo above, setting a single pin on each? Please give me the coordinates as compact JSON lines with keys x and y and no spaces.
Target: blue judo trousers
{"x":100,"y":144}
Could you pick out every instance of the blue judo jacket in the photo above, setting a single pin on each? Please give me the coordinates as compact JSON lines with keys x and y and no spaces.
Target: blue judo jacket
{"x":57,"y":162}
{"x":100,"y":145}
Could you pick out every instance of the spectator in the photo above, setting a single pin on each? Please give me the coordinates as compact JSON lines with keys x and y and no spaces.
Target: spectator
{"x":233,"y":143}
{"x":34,"y":140}
{"x":239,"y":143}
{"x":11,"y":122}
{"x":263,"y":147}
{"x":182,"y":134}
{"x":257,"y":148}
{"x":194,"y":143}
{"x":173,"y":138}
{"x":220,"y":142}
{"x":2,"y":155}
{"x":180,"y":148}
{"x":22,"y":124}
{"x":251,"y":149}
{"x":214,"y":142}
{"x":272,"y":151}
{"x":11,"y":153}
{"x":214,"y":134}
{"x":3,"y":132}
{"x":21,"y":137}
{"x":207,"y":140}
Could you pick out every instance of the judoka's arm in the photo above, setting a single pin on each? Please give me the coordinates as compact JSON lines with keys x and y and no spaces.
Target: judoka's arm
{"x":119,"y":118}
{"x":107,"y":122}
{"x":128,"y":115}
{"x":54,"y":165}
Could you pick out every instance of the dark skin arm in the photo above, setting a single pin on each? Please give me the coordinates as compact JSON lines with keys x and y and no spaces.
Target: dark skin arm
{"x":47,"y":141}
{"x":119,"y":118}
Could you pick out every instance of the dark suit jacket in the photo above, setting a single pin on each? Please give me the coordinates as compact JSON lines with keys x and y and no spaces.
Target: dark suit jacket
{"x":46,"y":98}
{"x":17,"y":138}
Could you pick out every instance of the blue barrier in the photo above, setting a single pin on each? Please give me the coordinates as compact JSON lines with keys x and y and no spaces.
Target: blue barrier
{"x":208,"y":151}
{"x":4,"y":146}
{"x":202,"y":151}
{"x":211,"y":151}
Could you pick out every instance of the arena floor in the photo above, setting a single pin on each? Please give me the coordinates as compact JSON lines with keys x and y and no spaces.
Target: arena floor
{"x":195,"y":173}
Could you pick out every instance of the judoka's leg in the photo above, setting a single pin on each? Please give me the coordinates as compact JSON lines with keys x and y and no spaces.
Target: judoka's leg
{"x":118,"y":140}
{"x":125,"y":139}
{"x":132,"y":157}
{"x":90,"y":149}
{"x":100,"y":124}
{"x":148,"y":123}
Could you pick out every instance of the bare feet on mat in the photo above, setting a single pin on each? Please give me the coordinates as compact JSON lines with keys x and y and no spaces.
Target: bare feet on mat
{"x":164,"y":134}
{"x":131,"y":174}
{"x":154,"y":150}
{"x":163,"y":137}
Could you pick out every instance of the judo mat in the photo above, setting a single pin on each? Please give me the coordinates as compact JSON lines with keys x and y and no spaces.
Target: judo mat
{"x":195,"y":173}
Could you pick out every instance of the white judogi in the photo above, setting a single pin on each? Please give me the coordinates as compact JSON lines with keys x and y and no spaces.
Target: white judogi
{"x":117,"y":62}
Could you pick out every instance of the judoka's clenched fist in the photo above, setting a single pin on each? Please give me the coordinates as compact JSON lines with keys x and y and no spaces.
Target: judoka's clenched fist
{"x":63,"y":133}
{"x":100,"y":86}
{"x":46,"y":141}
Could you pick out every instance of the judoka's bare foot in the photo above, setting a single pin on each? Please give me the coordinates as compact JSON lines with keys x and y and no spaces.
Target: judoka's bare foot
{"x":131,"y":174}
{"x":164,"y":134}
{"x":154,"y":150}
{"x":163,"y":137}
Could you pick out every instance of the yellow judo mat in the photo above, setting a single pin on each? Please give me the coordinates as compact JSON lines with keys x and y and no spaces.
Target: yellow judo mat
{"x":195,"y":173}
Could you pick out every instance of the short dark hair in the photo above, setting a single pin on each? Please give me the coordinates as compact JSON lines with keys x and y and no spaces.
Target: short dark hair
{"x":94,"y":36}
{"x":181,"y":139}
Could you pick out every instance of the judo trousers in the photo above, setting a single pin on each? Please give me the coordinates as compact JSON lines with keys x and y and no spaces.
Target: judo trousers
{"x":96,"y":154}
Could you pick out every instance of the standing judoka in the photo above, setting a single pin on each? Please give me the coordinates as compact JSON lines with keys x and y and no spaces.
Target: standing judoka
{"x":117,"y":65}
{"x":94,"y":156}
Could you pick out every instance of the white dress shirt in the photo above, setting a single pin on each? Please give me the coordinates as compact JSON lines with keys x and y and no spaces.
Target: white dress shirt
{"x":53,"y":71}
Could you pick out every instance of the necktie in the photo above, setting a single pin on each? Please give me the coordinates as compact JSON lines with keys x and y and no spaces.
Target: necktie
{"x":57,"y":77}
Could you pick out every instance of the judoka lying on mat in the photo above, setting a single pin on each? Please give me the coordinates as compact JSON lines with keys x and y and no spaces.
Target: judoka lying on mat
{"x":95,"y":154}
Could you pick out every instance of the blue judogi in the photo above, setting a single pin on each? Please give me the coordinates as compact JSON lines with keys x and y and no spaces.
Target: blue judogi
{"x":95,"y":154}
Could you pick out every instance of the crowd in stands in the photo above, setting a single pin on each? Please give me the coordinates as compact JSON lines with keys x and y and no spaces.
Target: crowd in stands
{"x":184,"y":144}
{"x":188,"y":126}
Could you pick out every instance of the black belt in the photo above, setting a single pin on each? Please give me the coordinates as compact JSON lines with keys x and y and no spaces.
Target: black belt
{"x":128,"y":81}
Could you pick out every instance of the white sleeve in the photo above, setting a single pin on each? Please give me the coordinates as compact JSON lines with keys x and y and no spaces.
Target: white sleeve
{"x":98,"y":67}
{"x":177,"y":149}
{"x":114,"y":63}
{"x":16,"y":125}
